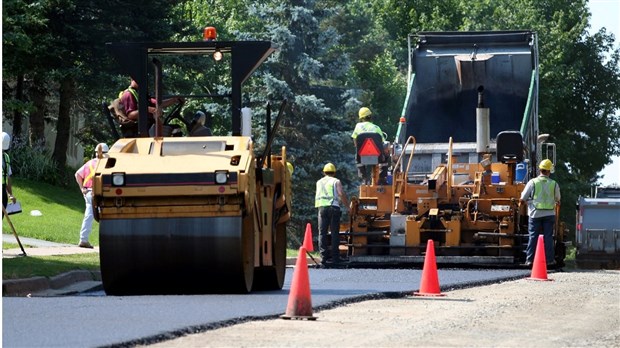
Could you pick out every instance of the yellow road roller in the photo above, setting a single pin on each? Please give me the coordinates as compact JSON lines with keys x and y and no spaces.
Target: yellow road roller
{"x":195,"y":213}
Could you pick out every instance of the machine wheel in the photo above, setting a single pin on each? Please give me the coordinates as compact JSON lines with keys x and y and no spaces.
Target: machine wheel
{"x":272,"y":277}
{"x":176,"y":256}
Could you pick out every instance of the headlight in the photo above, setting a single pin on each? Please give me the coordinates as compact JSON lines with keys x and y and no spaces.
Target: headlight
{"x":221,"y":177}
{"x":118,"y":179}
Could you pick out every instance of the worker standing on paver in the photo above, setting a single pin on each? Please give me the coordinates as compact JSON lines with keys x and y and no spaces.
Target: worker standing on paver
{"x":365,"y":125}
{"x":84,"y":179}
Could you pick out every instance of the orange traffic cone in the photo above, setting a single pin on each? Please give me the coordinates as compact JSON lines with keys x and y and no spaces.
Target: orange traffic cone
{"x":429,"y":285}
{"x":299,"y":301}
{"x":539,"y":269}
{"x":308,"y":239}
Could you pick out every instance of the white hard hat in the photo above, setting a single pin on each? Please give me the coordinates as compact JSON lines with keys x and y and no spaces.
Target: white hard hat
{"x":104,"y":147}
{"x":6,"y":141}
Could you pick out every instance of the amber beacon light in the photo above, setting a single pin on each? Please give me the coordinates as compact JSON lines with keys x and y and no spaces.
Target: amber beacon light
{"x":209,"y":34}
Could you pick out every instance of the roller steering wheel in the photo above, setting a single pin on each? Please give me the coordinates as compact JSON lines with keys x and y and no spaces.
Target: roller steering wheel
{"x":176,"y":114}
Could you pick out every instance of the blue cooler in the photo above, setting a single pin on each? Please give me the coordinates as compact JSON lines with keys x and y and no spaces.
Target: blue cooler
{"x":521,"y":172}
{"x":495,"y":178}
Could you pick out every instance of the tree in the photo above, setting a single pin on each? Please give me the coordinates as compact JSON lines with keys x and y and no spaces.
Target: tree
{"x":23,"y":28}
{"x":305,"y":70}
{"x":579,"y":89}
{"x":58,"y":49}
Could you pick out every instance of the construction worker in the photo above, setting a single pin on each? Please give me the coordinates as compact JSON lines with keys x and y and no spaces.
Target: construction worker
{"x":541,"y":194}
{"x":365,"y":125}
{"x":84,"y":178}
{"x":129,"y":100}
{"x":7,"y":188}
{"x":329,"y":196}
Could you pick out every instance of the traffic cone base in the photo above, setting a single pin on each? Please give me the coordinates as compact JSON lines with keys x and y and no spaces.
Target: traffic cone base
{"x":299,"y":301}
{"x":429,"y":285}
{"x":426,"y":294}
{"x":297,"y":317}
{"x":540,"y":280}
{"x":539,"y":268}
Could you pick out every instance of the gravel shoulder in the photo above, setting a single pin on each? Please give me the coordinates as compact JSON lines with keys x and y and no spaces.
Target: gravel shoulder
{"x":575,"y":309}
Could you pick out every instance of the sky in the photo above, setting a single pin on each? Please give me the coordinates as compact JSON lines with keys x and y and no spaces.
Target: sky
{"x":606,"y":13}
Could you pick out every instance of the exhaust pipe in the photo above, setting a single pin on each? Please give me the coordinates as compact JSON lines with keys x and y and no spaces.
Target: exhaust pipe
{"x":482,"y":124}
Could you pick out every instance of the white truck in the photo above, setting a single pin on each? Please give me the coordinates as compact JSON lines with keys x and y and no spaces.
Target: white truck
{"x":598,"y":229}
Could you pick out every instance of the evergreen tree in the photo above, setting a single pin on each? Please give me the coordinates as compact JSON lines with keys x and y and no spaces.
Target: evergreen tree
{"x":304,"y":71}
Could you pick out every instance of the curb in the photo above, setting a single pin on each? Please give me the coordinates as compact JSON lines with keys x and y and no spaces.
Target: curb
{"x":30,"y":286}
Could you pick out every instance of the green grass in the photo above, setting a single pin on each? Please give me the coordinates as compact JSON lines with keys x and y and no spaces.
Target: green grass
{"x":295,"y":252}
{"x":569,"y":260}
{"x":62,"y":213}
{"x":47,"y":266}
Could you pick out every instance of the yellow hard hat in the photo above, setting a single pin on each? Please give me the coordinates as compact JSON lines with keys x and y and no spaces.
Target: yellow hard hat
{"x":329,"y":168}
{"x":290,"y":167}
{"x":364,"y":112}
{"x":545,"y":164}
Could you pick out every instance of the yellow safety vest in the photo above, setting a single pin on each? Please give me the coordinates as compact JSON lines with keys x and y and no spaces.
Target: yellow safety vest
{"x":366,"y":127}
{"x":326,"y":192}
{"x":544,"y":193}
{"x":132,"y":91}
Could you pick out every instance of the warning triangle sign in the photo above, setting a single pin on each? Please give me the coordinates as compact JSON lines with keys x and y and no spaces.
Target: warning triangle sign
{"x":369,"y":148}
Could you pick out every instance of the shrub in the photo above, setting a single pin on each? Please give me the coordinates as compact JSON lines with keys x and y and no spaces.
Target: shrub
{"x":36,"y":163}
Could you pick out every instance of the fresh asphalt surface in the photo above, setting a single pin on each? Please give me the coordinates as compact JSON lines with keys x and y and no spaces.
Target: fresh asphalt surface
{"x":93,"y":320}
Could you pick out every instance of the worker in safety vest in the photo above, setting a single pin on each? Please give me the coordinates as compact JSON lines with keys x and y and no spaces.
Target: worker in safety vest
{"x":541,"y":194}
{"x":7,"y":189}
{"x":329,"y":196}
{"x":84,"y":178}
{"x":365,"y":125}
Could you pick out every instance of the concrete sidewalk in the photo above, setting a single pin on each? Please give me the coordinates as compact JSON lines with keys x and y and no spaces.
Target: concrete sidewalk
{"x":47,"y":251}
{"x":37,"y":247}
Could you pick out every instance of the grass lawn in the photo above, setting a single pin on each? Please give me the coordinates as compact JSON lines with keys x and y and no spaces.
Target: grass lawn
{"x":62,"y":212}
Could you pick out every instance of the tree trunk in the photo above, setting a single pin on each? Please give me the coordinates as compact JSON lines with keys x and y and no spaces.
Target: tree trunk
{"x":37,"y":117}
{"x":17,"y":114}
{"x":63,"y":125}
